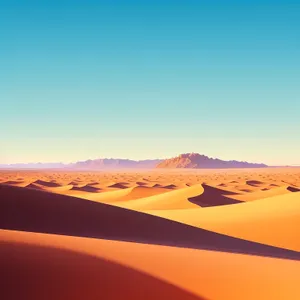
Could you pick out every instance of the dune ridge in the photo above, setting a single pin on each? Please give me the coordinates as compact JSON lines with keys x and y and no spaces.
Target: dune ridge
{"x":40,"y":211}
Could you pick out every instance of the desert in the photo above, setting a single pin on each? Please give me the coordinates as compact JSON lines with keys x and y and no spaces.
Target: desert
{"x":159,"y":233}
{"x":150,"y":150}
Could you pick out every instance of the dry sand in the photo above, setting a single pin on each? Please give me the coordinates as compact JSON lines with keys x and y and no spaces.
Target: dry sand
{"x":159,"y":234}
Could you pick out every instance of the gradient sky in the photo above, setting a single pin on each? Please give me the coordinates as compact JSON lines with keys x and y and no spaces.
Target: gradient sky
{"x":149,"y":79}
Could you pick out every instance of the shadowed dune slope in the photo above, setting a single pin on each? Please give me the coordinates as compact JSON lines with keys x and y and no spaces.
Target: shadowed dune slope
{"x":42,"y":266}
{"x":254,"y":182}
{"x":54,"y":189}
{"x":293,"y":189}
{"x":16,"y":182}
{"x":46,"y":183}
{"x":213,"y":197}
{"x":86,"y":188}
{"x":39,"y":211}
{"x":34,"y":186}
{"x":274,"y":221}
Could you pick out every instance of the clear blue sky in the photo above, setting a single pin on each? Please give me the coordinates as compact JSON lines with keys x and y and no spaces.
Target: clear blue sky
{"x":148,"y":79}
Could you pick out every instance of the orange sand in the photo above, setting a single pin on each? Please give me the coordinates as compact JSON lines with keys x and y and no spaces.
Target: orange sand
{"x":73,"y":268}
{"x":160,"y":234}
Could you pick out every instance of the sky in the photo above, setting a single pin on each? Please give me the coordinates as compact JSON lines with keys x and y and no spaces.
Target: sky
{"x":149,"y":79}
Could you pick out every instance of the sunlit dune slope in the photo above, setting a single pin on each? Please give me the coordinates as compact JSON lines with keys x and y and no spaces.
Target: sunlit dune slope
{"x":39,"y":211}
{"x":50,"y":267}
{"x":196,"y":196}
{"x":120,"y":194}
{"x":176,"y":199}
{"x":265,"y":193}
{"x":274,"y":221}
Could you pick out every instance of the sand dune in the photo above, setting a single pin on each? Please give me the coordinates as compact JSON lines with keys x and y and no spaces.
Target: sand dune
{"x":212,"y":196}
{"x":254,"y":182}
{"x":205,"y":196}
{"x":37,"y":269}
{"x":13,"y":182}
{"x":293,"y":189}
{"x":176,"y":199}
{"x":141,"y":183}
{"x":86,"y":188}
{"x":54,"y":188}
{"x":34,"y":186}
{"x":46,"y":183}
{"x":21,"y":183}
{"x":39,"y":211}
{"x":81,"y":268}
{"x":118,"y":185}
{"x":118,"y":194}
{"x":274,"y":221}
{"x":142,"y":192}
{"x":265,"y":193}
{"x":161,"y":234}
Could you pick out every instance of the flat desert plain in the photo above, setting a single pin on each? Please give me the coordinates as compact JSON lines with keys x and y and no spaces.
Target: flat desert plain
{"x":157,"y":234}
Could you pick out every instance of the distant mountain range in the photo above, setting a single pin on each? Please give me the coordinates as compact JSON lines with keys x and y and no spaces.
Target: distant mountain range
{"x":111,"y":163}
{"x":184,"y":161}
{"x":198,"y":161}
{"x":91,"y":164}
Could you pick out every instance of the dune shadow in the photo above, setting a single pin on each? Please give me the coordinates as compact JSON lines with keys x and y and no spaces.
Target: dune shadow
{"x":293,"y":189}
{"x":13,"y":182}
{"x":170,"y":187}
{"x":73,"y":182}
{"x":39,"y":211}
{"x":213,"y":197}
{"x":47,"y":183}
{"x":93,"y":183}
{"x":157,"y":185}
{"x":33,"y":186}
{"x":118,"y":186}
{"x":254,"y":183}
{"x":86,"y":188}
{"x":246,"y":190}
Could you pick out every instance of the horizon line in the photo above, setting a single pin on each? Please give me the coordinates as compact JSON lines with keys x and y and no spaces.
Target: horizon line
{"x":130,"y":159}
